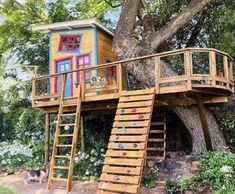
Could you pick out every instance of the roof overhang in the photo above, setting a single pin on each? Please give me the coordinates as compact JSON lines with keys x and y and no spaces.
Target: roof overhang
{"x":92,"y":22}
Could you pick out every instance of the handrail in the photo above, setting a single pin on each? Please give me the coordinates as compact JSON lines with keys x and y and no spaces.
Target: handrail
{"x":135,"y":59}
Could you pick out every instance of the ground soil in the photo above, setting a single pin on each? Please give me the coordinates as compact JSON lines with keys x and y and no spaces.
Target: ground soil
{"x":15,"y":183}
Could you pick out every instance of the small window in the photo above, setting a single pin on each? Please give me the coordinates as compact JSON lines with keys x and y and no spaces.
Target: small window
{"x":110,"y":71}
{"x":69,"y":43}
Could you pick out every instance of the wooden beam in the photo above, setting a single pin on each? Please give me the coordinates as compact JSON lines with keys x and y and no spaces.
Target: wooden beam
{"x":82,"y":134}
{"x":47,"y":138}
{"x":202,"y":114}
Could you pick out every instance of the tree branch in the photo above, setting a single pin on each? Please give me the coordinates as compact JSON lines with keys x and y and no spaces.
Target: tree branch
{"x":162,"y":35}
{"x":113,"y":6}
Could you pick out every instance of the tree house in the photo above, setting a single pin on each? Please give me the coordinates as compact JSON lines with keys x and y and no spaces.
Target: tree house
{"x":84,"y":75}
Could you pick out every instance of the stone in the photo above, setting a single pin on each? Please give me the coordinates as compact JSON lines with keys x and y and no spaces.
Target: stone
{"x":195,"y":166}
{"x":150,"y":163}
{"x":169,"y":165}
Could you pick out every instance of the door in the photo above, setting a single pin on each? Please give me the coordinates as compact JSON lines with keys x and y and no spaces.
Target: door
{"x":84,"y":61}
{"x":61,"y":66}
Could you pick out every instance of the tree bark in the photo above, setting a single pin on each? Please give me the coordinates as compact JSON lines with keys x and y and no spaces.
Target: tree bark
{"x":125,"y":47}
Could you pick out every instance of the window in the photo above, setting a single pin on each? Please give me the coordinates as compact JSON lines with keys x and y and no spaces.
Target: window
{"x":111,"y":72}
{"x":69,"y":43}
{"x":83,"y":61}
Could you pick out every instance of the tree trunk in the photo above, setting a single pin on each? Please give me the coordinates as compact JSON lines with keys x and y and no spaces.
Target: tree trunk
{"x":125,"y":47}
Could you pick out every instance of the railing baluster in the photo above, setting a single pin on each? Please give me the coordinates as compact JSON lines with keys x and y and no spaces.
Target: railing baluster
{"x":226,"y":71}
{"x":63,"y":84}
{"x":157,"y":74}
{"x":212,"y":63}
{"x":188,"y":64}
{"x":83,"y":85}
{"x":33,"y":91}
{"x":119,"y":74}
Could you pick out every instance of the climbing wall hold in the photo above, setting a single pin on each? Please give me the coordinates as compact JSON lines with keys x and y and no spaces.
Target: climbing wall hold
{"x":116,"y":178}
{"x":135,"y":145}
{"x":117,"y":137}
{"x":120,"y":146}
{"x":124,"y":153}
{"x":133,"y":123}
{"x":141,"y":116}
{"x":133,"y":110}
{"x":122,"y":110}
{"x":128,"y":171}
{"x":104,"y":185}
{"x":112,"y":161}
{"x":124,"y":130}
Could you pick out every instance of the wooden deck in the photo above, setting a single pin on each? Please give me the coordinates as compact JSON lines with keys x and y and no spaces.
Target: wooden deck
{"x":205,"y":71}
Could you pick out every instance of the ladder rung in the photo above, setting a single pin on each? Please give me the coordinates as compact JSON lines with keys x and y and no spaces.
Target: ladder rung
{"x":63,"y":145}
{"x":68,"y":114}
{"x":59,"y":179}
{"x":158,"y":123}
{"x":61,"y":167}
{"x":156,"y":140}
{"x":62,"y":156}
{"x":156,"y":131}
{"x":156,"y":148}
{"x":72,"y":124}
{"x":69,"y":105}
{"x":65,"y":135}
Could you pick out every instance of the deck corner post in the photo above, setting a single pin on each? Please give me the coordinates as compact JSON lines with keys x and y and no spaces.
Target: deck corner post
{"x":120,"y":78}
{"x":203,"y":117}
{"x":212,"y":64}
{"x":188,"y":68}
{"x":47,"y":138}
{"x":157,"y":74}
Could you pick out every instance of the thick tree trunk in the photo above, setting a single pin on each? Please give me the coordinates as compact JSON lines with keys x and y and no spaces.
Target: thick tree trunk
{"x":125,"y":48}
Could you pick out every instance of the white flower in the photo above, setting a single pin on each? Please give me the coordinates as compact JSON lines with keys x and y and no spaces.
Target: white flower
{"x":87,"y":172}
{"x":226,"y":169}
{"x":102,"y":150}
{"x":66,"y":128}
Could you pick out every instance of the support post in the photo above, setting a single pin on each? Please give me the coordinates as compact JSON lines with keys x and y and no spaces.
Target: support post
{"x":205,"y":128}
{"x":47,"y":137}
{"x":157,"y":74}
{"x":82,"y":134}
{"x":119,"y":74}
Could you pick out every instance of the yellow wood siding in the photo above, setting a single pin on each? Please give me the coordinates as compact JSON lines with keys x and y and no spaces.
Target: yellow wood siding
{"x":87,"y":45}
{"x":104,"y":52}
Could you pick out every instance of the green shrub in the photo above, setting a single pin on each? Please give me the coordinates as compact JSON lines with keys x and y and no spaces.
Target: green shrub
{"x":218,"y":170}
{"x":151,"y":178}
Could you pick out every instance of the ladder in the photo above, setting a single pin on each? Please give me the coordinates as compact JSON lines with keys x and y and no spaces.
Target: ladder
{"x":125,"y":157}
{"x":65,"y":142}
{"x":156,"y":149}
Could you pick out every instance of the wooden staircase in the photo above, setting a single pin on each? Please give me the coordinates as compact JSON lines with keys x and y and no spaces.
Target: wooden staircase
{"x":156,"y":147}
{"x":126,"y":154}
{"x":65,"y":142}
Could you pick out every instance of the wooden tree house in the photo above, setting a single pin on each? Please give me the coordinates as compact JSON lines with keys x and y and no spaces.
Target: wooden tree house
{"x":86,"y":76}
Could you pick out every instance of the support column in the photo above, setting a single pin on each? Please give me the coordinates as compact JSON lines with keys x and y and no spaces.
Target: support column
{"x":202,"y":114}
{"x":82,"y":134}
{"x":47,"y":137}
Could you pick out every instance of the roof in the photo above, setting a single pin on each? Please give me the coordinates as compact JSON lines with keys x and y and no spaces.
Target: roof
{"x":71,"y":25}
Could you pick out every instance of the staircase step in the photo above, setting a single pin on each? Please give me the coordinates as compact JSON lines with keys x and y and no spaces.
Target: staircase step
{"x":155,"y":148}
{"x":129,"y":111}
{"x":125,"y":188}
{"x":158,"y":123}
{"x":138,"y":92}
{"x":65,"y":135}
{"x":119,"y":178}
{"x":157,"y":131}
{"x":156,"y":140}
{"x":135,"y":104}
{"x":63,"y":145}
{"x":61,"y":167}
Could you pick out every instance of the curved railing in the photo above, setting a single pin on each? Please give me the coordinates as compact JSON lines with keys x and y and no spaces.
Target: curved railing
{"x":198,"y":69}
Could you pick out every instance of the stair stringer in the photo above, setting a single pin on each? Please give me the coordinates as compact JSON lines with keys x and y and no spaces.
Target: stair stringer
{"x":126,"y":154}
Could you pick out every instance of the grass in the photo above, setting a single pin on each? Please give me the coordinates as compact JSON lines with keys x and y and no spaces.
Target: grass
{"x":4,"y":190}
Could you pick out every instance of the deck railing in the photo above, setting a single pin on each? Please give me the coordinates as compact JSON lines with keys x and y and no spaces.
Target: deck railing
{"x":193,"y":68}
